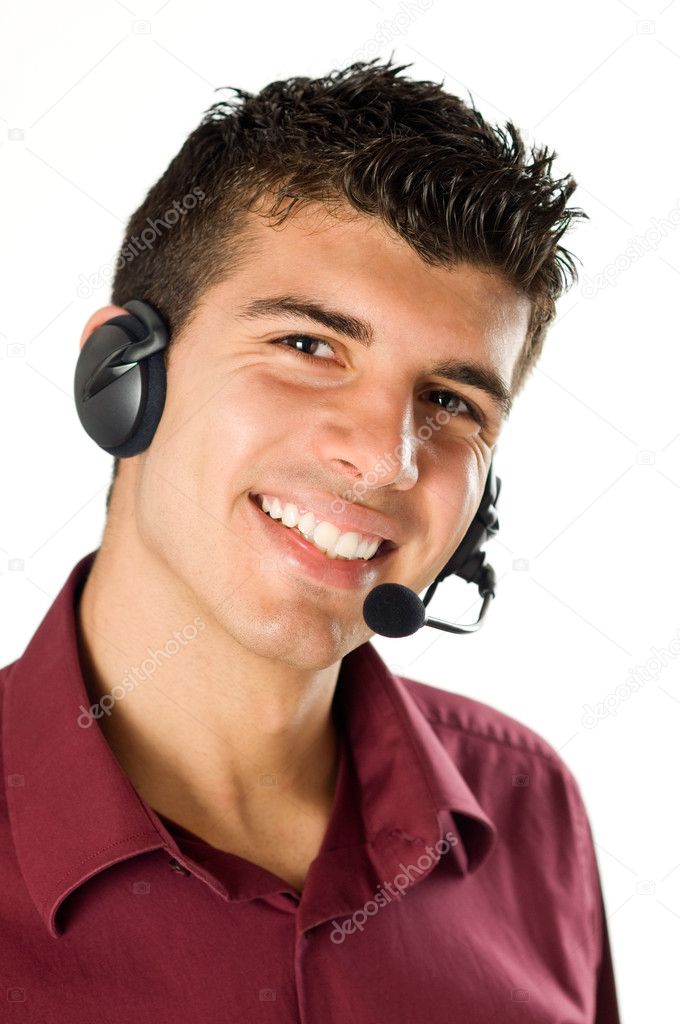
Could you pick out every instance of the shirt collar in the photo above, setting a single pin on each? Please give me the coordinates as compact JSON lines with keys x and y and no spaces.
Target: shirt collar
{"x":410,"y":793}
{"x":74,"y":812}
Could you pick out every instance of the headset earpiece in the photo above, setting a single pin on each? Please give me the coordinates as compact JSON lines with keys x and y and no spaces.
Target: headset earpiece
{"x":468,"y":560}
{"x":120,"y":380}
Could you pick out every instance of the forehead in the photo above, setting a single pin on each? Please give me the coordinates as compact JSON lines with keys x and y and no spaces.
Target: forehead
{"x":356,"y":263}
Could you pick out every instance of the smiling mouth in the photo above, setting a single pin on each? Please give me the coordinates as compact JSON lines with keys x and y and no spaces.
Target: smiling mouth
{"x":384,"y":547}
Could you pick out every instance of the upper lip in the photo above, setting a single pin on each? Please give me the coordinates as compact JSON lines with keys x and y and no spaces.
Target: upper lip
{"x":353,"y":517}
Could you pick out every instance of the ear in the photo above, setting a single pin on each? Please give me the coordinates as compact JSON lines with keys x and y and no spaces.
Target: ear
{"x":99,"y":318}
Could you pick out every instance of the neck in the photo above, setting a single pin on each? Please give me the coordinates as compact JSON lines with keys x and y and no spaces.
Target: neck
{"x":209,"y":733}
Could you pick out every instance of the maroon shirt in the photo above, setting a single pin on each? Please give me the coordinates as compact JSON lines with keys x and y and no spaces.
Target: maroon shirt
{"x":456,"y":882}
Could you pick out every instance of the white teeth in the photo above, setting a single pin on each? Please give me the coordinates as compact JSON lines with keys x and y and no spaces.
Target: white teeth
{"x":373,"y":547}
{"x":290,"y":514}
{"x":307,"y":524}
{"x":362,"y":548}
{"x":347,"y":545}
{"x":324,"y":535}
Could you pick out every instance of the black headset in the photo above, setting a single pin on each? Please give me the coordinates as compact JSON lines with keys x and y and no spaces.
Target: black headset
{"x":120,"y":388}
{"x":120,"y":380}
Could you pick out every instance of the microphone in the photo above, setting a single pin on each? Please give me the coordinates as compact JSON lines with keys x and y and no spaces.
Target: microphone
{"x":393,"y":610}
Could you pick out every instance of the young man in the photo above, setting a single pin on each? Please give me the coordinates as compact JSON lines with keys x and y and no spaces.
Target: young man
{"x":221,"y":805}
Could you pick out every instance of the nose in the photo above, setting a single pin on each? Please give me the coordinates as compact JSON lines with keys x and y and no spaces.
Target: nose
{"x":370,"y":438}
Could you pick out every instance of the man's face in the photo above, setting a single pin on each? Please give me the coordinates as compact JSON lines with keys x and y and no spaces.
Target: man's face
{"x":353,"y":425}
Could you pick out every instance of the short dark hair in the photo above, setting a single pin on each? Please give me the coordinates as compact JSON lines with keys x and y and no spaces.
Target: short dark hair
{"x":453,"y":186}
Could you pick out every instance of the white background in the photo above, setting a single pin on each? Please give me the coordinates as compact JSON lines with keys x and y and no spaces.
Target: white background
{"x":97,"y":97}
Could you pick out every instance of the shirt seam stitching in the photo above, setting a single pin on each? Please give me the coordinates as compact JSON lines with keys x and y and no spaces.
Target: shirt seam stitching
{"x":81,"y":863}
{"x":477,"y":734}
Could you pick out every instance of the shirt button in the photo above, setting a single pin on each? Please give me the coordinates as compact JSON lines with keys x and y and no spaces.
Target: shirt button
{"x":176,"y":866}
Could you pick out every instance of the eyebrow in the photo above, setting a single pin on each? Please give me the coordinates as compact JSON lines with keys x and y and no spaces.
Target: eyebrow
{"x":460,"y":371}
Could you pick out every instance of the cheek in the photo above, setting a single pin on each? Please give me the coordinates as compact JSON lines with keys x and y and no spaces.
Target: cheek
{"x":453,"y":491}
{"x":252,"y":422}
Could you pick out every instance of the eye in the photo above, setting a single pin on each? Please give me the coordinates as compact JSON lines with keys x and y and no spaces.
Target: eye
{"x":448,"y":405}
{"x":305,"y":339}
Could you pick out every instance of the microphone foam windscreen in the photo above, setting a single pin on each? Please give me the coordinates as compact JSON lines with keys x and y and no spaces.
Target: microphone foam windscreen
{"x":392,"y":609}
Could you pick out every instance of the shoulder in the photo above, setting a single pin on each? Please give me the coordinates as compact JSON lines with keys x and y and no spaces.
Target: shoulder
{"x":457,"y":717}
{"x":509,"y":766}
